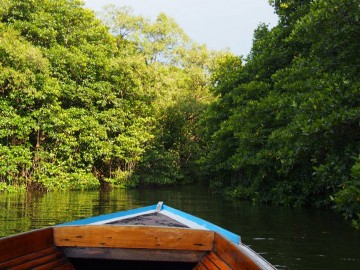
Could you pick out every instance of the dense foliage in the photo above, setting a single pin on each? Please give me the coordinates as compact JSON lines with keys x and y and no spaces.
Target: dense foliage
{"x":82,"y":105}
{"x":126,"y":101}
{"x":285,"y":127}
{"x":180,"y":70}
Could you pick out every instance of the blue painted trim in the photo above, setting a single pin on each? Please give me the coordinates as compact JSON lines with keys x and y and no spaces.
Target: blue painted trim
{"x":87,"y":221}
{"x":208,"y":225}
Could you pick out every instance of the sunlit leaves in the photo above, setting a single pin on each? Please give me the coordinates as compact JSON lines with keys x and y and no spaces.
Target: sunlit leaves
{"x":69,"y":97}
{"x":87,"y":104}
{"x":159,"y":41}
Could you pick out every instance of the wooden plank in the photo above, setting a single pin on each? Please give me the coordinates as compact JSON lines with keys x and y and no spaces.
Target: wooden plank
{"x":200,"y":266}
{"x":217,"y":261}
{"x":27,"y":258}
{"x":53,"y":264}
{"x":209,"y":264}
{"x":134,"y":237}
{"x":16,"y":246}
{"x":134,"y":254}
{"x":40,"y":261}
{"x":232,"y":255}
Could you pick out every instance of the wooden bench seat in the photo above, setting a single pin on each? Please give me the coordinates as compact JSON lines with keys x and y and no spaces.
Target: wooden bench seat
{"x":35,"y":250}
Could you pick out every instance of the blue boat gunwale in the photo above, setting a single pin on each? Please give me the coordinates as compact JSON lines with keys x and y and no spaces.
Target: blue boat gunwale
{"x":152,"y":208}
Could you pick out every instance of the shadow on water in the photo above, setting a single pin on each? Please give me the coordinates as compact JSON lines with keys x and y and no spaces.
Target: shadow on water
{"x":289,"y":238}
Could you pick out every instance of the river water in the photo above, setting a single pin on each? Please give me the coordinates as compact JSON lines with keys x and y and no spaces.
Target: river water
{"x":289,"y":238}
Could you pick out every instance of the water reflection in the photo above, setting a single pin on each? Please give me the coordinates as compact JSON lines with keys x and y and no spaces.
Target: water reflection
{"x":289,"y":238}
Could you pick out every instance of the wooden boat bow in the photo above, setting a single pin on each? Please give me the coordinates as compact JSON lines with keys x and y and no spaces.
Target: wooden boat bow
{"x":104,"y":239}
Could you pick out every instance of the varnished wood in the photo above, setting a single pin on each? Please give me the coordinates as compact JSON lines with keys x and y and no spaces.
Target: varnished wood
{"x":32,"y":250}
{"x":27,"y":258}
{"x":134,"y":237}
{"x":232,"y":255}
{"x":211,"y":261}
{"x":200,"y":266}
{"x":40,"y":249}
{"x":209,"y":264}
{"x":217,"y":261}
{"x":60,"y":262}
{"x":47,"y":261}
{"x":24,"y":244}
{"x":32,"y":264}
{"x":134,"y":254}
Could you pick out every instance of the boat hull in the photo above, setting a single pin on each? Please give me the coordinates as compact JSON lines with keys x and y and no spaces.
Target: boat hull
{"x":196,"y":244}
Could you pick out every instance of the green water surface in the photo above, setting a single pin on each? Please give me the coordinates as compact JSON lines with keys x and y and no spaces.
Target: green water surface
{"x":289,"y":238}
